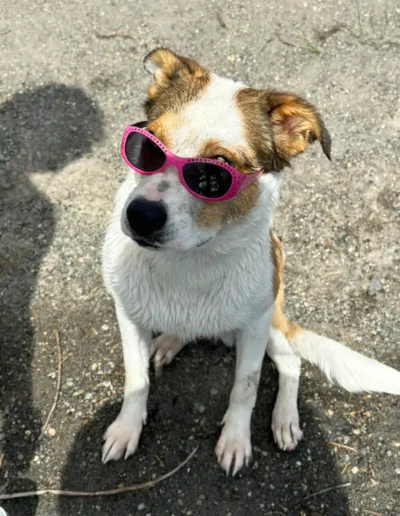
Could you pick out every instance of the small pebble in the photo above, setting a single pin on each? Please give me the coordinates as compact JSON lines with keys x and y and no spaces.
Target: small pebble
{"x":199,"y":407}
{"x":141,"y":506}
{"x":374,"y":287}
{"x":355,"y":470}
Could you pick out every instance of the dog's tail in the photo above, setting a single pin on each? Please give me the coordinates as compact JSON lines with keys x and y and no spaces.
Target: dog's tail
{"x":351,"y":370}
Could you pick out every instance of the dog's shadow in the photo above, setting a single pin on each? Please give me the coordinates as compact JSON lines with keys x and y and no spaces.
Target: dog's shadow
{"x":41,"y":130}
{"x":185,"y":406}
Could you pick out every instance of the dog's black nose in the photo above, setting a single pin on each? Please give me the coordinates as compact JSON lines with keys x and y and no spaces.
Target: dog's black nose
{"x":146,"y":217}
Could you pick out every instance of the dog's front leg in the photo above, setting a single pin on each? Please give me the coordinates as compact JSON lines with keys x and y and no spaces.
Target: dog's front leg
{"x":122,"y":436}
{"x":234,"y":446}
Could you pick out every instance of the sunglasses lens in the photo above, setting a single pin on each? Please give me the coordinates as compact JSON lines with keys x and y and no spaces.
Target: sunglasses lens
{"x":143,"y":154}
{"x":207,"y":180}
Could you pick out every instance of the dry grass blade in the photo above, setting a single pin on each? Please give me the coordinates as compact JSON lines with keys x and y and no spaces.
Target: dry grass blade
{"x":327,"y":490}
{"x":344,"y":446}
{"x":57,"y":394}
{"x":109,"y":492}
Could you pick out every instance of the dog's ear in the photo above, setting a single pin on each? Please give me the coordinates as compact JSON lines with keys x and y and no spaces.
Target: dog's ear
{"x":295,"y":123}
{"x":166,"y":67}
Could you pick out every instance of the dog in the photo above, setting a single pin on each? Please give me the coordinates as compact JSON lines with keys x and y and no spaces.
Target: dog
{"x":190,"y":252}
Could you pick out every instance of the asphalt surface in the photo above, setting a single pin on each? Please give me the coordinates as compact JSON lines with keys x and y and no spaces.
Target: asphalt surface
{"x":71,"y":79}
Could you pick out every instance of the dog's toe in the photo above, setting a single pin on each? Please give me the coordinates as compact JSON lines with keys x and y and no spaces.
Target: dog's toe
{"x":233,"y":450}
{"x":121,"y":439}
{"x":286,"y":430}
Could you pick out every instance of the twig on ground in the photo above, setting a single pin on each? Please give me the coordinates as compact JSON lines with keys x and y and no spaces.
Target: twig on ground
{"x":1,"y":459}
{"x":160,"y":461}
{"x":360,"y":30}
{"x":220,"y":19}
{"x":344,"y":446}
{"x":327,"y":490}
{"x":284,"y":42}
{"x":114,"y":35}
{"x":390,"y":222}
{"x":109,"y":492}
{"x":57,"y":394}
{"x":378,"y":409}
{"x":53,"y":373}
{"x":323,"y":35}
{"x":332,"y":273}
{"x":373,"y":513}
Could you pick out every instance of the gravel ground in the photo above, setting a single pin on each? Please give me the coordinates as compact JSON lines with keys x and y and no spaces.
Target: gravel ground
{"x":71,"y":79}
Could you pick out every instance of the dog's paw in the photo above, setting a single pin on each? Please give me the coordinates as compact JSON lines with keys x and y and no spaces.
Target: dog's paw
{"x":234,"y":447}
{"x":286,"y":428}
{"x":121,"y":439}
{"x":164,"y":348}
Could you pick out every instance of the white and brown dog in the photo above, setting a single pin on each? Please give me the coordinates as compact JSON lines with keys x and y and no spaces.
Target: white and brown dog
{"x":187,"y":268}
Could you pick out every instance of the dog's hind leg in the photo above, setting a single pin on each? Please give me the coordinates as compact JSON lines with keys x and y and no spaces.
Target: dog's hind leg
{"x":164,"y":348}
{"x":285,"y":417}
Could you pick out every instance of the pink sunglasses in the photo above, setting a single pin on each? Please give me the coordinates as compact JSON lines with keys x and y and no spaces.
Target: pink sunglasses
{"x":206,"y":179}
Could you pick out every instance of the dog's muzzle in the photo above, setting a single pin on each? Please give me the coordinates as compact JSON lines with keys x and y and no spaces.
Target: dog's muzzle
{"x":145,"y":220}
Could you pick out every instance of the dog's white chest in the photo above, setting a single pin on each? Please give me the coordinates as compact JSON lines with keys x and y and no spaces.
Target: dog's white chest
{"x":192,"y":297}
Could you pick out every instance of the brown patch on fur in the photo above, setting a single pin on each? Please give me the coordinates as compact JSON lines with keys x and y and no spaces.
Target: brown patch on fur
{"x":296,"y":123}
{"x":214,"y":214}
{"x":243,"y":160}
{"x":163,"y":127}
{"x":279,"y":321}
{"x":177,"y":81}
{"x":257,"y":128}
{"x":279,"y":126}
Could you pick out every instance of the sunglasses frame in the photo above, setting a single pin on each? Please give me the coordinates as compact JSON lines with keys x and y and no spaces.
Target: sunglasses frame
{"x":239,"y":180}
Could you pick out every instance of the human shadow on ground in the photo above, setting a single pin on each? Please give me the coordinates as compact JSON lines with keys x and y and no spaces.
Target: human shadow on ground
{"x":41,"y":129}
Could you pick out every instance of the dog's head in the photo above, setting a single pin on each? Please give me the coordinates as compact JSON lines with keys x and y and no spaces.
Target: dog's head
{"x":197,"y":114}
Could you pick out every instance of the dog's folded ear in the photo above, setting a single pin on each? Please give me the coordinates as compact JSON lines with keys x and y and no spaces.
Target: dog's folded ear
{"x":166,"y":66}
{"x":295,"y":123}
